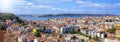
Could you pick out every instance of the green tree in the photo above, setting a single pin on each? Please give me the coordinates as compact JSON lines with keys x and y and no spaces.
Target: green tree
{"x":2,"y":28}
{"x":5,"y":16}
{"x":11,"y":16}
{"x":111,"y":30}
{"x":96,"y":38}
{"x":37,"y":34}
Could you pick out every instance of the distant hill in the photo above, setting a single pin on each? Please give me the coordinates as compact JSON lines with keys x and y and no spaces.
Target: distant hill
{"x":5,"y":16}
{"x":50,"y":15}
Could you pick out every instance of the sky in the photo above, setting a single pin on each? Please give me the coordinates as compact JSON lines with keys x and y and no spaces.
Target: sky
{"x":60,"y":6}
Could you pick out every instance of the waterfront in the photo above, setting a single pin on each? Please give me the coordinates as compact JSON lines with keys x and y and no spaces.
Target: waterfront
{"x":46,"y":18}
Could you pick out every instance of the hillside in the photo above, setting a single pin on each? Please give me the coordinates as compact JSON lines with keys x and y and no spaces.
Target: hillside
{"x":11,"y":16}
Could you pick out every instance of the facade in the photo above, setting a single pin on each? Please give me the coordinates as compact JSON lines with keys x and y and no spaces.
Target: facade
{"x":111,"y":40}
{"x":69,"y":29}
{"x":117,"y":32}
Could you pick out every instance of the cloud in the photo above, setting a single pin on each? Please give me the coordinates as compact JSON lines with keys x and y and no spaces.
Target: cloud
{"x":52,"y":1}
{"x":83,"y":2}
{"x":30,"y":3}
{"x":45,"y":6}
{"x":20,"y":2}
{"x":30,"y":6}
{"x":118,"y":4}
{"x":88,"y":4}
{"x":93,"y":4}
{"x":59,"y":6}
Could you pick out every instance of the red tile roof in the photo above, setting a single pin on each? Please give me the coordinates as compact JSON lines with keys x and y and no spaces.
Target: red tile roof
{"x":1,"y":36}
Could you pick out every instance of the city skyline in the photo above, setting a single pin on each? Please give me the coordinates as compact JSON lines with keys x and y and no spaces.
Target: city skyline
{"x":60,"y":6}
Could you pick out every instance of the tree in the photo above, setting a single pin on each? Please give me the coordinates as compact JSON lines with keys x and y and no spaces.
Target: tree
{"x":96,"y":38}
{"x":11,"y":16}
{"x":111,"y":30}
{"x":2,"y":28}
{"x":5,"y":16}
{"x":37,"y":34}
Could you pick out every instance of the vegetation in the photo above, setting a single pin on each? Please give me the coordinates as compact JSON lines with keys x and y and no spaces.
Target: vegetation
{"x":37,"y":34}
{"x":96,"y":38}
{"x":1,"y":28}
{"x":5,"y":16}
{"x":74,"y":32}
{"x":11,"y":16}
{"x":111,"y":30}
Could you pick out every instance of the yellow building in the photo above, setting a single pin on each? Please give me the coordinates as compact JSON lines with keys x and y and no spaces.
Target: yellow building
{"x":118,"y":25}
{"x":34,"y":30}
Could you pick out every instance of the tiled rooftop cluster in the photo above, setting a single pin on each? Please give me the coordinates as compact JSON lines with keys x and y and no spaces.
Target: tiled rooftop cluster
{"x":93,"y":29}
